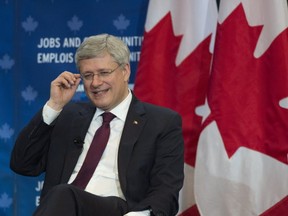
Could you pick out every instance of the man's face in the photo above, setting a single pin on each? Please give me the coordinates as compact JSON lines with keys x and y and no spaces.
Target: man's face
{"x":107,"y":89}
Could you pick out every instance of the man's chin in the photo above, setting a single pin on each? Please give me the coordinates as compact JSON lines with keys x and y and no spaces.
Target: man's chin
{"x":101,"y":104}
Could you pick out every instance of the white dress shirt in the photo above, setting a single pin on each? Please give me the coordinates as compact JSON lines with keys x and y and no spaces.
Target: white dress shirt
{"x":105,"y":181}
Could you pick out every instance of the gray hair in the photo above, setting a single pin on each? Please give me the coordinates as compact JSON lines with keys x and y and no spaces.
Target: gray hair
{"x":99,"y":45}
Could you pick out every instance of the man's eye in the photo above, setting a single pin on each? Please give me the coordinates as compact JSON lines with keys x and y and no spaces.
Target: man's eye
{"x":88,"y":76}
{"x":104,"y":73}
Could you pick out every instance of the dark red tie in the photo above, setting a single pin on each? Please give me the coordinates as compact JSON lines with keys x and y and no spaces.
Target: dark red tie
{"x":95,"y":152}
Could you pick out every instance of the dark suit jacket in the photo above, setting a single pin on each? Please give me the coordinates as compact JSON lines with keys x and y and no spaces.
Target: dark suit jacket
{"x":150,"y":157}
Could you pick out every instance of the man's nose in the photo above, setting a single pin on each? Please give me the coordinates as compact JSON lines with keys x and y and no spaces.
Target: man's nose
{"x":96,"y":80}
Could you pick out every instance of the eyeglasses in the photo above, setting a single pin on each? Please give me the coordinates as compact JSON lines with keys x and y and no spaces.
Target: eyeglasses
{"x":101,"y":74}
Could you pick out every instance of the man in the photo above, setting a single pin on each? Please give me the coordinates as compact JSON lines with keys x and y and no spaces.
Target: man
{"x":141,"y":169}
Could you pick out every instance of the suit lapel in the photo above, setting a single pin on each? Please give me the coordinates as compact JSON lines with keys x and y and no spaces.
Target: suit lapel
{"x":80,"y":127}
{"x":134,"y":124}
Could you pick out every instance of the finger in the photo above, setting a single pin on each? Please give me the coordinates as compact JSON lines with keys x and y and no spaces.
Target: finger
{"x":66,"y":79}
{"x":73,"y":79}
{"x":78,"y":80}
{"x":61,"y":81}
{"x":75,"y":86}
{"x":70,"y":77}
{"x":77,"y":76}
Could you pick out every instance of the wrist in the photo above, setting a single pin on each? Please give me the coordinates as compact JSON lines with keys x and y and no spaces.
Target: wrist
{"x":55,"y":106}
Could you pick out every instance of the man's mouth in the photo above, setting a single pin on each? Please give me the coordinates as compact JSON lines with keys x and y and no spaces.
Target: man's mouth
{"x":100,"y":92}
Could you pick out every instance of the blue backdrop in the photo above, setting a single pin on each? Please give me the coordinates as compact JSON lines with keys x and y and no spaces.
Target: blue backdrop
{"x":37,"y":42}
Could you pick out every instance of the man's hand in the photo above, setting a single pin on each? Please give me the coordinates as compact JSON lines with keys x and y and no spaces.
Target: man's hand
{"x":62,"y":89}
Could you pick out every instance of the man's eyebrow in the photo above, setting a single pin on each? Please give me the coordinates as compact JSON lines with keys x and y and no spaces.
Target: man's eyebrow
{"x":98,"y":70}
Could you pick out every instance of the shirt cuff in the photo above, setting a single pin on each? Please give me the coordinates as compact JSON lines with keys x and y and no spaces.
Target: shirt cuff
{"x":139,"y":213}
{"x":49,"y":114}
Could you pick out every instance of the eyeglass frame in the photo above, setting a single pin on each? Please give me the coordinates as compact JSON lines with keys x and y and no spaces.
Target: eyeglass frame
{"x":102,"y":74}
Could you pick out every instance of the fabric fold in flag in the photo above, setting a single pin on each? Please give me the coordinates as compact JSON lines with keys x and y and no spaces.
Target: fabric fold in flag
{"x":174,"y":70}
{"x":241,"y":165}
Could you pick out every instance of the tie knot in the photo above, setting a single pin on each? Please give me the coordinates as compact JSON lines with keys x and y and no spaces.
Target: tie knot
{"x":107,"y":117}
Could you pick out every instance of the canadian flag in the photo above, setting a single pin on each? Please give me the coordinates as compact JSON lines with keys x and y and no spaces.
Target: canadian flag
{"x":174,"y":70}
{"x":242,"y":156}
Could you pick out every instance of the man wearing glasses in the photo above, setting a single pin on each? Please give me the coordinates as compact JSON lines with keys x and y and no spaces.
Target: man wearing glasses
{"x":139,"y":169}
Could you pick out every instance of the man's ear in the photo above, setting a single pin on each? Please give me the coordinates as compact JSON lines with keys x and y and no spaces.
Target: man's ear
{"x":126,"y":72}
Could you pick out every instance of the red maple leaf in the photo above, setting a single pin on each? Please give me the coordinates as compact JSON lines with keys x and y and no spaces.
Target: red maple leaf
{"x":245,"y":91}
{"x":183,"y":87}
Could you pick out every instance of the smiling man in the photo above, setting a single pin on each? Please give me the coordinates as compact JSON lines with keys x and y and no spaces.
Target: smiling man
{"x":112,"y":156}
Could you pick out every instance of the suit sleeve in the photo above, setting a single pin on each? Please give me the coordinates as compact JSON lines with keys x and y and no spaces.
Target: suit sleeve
{"x":30,"y":151}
